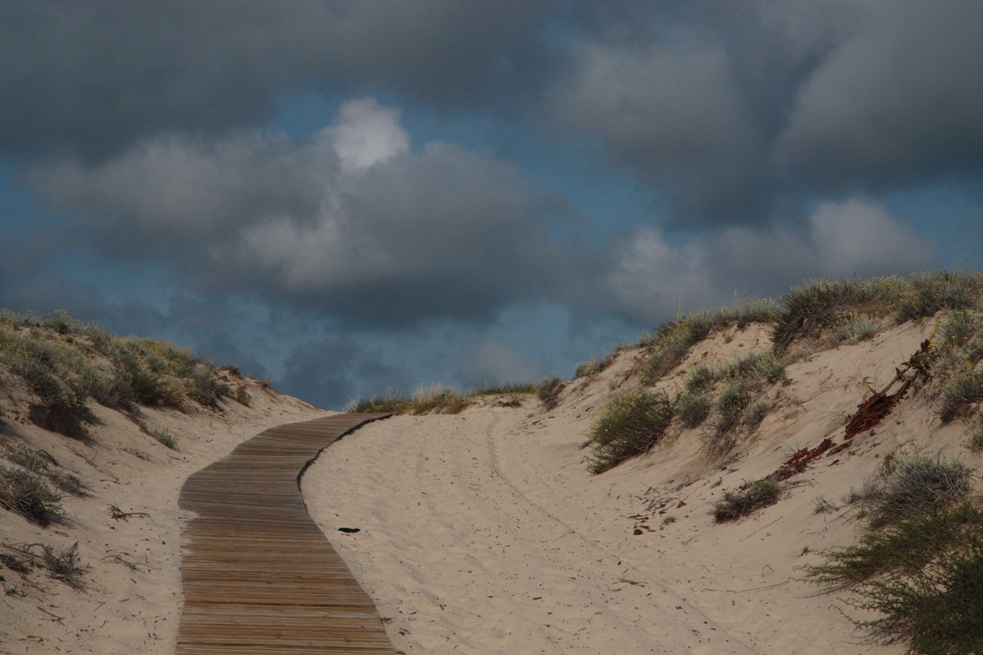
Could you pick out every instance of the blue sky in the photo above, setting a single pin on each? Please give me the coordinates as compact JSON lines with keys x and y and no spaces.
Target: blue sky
{"x":356,"y":196}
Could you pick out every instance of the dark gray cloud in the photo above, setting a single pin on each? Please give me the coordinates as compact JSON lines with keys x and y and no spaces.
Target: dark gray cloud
{"x":95,"y":75}
{"x":351,"y":222}
{"x":332,"y":372}
{"x":736,"y":111}
{"x":898,"y":101}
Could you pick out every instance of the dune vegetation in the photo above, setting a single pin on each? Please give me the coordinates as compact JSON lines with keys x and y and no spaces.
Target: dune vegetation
{"x":919,"y":566}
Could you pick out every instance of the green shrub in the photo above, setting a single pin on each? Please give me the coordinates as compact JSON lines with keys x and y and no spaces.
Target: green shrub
{"x":923,"y":576}
{"x":758,"y":495}
{"x":756,"y":367}
{"x":162,"y":435}
{"x":907,"y":545}
{"x":505,"y":389}
{"x":702,"y":378}
{"x":693,"y":408}
{"x":389,"y":404}
{"x":629,"y":425}
{"x":733,"y":400}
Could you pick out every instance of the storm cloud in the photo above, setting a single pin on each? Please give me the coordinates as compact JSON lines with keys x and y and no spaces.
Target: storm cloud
{"x":351,"y":222}
{"x":352,"y":195}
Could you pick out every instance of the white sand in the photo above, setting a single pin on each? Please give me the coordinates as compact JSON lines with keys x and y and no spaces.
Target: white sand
{"x":484,"y":533}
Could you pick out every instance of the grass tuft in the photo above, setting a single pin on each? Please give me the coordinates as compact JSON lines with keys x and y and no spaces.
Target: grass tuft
{"x":549,"y":392}
{"x":63,"y":564}
{"x":758,"y":495}
{"x":590,"y":368}
{"x":670,"y":343}
{"x":30,"y":496}
{"x":629,"y":425}
{"x":693,"y":408}
{"x":910,"y":484}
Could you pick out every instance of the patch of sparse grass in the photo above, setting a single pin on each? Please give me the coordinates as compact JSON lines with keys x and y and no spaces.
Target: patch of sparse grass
{"x":851,"y":309}
{"x":590,"y":368}
{"x":693,"y":408}
{"x":756,"y":367}
{"x":162,"y":435}
{"x":758,"y":495}
{"x":910,"y":484}
{"x":670,"y":343}
{"x":549,"y":392}
{"x":27,"y":494}
{"x":629,"y":425}
{"x":66,"y":362}
{"x":437,"y":400}
{"x":63,"y":564}
{"x":702,"y":378}
{"x":736,"y":396}
{"x":817,"y":306}
{"x":930,"y":292}
{"x":852,"y":328}
{"x":959,"y":392}
{"x":517,"y":388}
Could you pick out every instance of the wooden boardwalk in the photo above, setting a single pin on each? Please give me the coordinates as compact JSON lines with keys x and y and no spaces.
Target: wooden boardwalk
{"x":259,"y":577}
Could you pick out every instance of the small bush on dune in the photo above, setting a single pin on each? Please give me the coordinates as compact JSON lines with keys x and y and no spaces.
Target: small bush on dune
{"x":756,"y":367}
{"x":702,"y":378}
{"x":733,"y":400}
{"x":920,"y":567}
{"x":693,"y":408}
{"x":911,"y":484}
{"x":590,"y":368}
{"x":629,"y":425}
{"x":962,"y":390}
{"x":907,"y":545}
{"x":758,"y":494}
{"x":853,"y":328}
{"x":162,"y":435}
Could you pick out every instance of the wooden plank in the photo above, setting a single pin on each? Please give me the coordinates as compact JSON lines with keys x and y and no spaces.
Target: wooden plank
{"x":258,"y":575}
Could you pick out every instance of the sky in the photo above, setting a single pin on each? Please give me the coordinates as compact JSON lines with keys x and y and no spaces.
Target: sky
{"x":358,"y":197}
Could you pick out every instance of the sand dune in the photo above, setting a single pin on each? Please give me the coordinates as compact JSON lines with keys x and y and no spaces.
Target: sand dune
{"x":484,"y":532}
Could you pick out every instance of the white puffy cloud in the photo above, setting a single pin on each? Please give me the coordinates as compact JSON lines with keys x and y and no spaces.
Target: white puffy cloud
{"x":367,"y":134}
{"x":350,"y":221}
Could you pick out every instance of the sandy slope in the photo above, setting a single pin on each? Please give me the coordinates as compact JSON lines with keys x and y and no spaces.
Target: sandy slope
{"x":484,"y":533}
{"x":130,"y":604}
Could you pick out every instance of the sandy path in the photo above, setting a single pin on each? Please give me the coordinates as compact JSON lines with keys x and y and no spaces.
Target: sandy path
{"x":464,"y":556}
